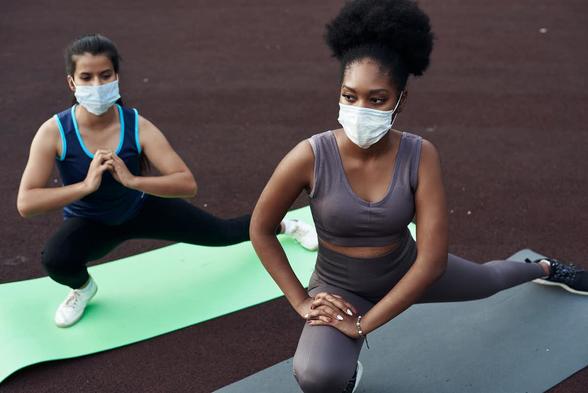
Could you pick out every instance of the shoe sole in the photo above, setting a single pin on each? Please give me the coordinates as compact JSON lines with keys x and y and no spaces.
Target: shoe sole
{"x":358,"y":376}
{"x":81,"y":314}
{"x":558,"y":284}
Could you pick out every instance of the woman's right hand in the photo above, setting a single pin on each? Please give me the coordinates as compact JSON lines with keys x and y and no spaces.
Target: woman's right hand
{"x":325,"y":306}
{"x":103,"y":161}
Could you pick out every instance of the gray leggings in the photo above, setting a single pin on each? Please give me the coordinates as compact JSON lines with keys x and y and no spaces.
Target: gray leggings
{"x":325,"y":359}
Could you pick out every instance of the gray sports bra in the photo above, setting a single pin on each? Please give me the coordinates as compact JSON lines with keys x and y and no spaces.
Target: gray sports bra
{"x":343,"y":218}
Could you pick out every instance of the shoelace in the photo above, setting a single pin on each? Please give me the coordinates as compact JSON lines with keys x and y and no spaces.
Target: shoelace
{"x":299,"y":230}
{"x":564,"y":273}
{"x":73,"y":299}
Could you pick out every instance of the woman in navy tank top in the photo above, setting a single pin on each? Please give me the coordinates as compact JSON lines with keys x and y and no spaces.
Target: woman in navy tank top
{"x":100,"y":148}
{"x":366,"y":182}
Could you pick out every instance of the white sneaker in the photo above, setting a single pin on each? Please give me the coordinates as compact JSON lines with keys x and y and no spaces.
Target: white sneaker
{"x":302,"y":232}
{"x":72,"y":308}
{"x":358,"y":375}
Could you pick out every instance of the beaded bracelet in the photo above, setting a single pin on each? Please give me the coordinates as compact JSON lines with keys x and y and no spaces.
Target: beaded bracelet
{"x":360,"y":332}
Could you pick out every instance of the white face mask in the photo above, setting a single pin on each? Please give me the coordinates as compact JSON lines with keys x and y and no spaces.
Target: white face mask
{"x":97,"y":99}
{"x":364,"y":126}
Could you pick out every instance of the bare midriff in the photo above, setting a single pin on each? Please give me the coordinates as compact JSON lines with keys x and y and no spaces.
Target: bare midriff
{"x":360,"y":252}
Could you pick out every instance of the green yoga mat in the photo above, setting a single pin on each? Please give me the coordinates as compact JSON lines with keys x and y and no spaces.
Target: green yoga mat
{"x":139,"y":297}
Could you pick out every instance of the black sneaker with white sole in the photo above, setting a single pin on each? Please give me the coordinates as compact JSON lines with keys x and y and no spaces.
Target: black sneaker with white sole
{"x":571,"y":278}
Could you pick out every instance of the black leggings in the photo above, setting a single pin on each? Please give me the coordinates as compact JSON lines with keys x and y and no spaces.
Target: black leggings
{"x":79,"y":240}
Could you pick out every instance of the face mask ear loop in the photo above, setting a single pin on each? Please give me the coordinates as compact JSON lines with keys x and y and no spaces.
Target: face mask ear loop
{"x":399,"y":100}
{"x":73,"y":82}
{"x":394,"y":113}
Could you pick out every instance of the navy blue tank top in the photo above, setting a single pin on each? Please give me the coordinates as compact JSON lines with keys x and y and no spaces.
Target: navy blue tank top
{"x":112,"y":203}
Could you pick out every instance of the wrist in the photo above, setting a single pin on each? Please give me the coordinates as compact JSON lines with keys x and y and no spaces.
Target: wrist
{"x":299,"y":306}
{"x":133,"y":182}
{"x":359,"y":330}
{"x":85,"y":188}
{"x":358,"y":327}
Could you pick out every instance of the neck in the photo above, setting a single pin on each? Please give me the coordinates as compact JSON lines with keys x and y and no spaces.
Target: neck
{"x":95,"y":122}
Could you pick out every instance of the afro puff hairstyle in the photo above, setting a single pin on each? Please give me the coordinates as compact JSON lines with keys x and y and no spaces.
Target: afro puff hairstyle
{"x":395,"y":33}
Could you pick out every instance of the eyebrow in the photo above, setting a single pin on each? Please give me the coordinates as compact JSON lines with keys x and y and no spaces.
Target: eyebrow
{"x":100,"y":72}
{"x":371,"y":91}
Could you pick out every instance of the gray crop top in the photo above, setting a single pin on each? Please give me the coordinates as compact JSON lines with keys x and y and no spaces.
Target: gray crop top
{"x":343,"y":218}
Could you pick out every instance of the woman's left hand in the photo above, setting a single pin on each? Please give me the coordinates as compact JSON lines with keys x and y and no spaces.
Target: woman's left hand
{"x":326,"y":310}
{"x":121,"y":173}
{"x":346,"y":325}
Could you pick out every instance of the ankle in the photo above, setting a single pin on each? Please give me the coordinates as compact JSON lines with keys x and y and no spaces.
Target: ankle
{"x":546,"y":267}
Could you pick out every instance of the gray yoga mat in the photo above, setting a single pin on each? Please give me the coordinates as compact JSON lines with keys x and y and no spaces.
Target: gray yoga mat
{"x":524,"y":339}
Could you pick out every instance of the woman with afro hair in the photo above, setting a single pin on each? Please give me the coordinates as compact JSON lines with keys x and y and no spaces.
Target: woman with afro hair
{"x":366,"y":182}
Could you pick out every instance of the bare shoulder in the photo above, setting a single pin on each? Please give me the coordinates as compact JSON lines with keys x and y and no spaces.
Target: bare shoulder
{"x":49,"y":129}
{"x":429,"y":153}
{"x":48,"y":137}
{"x":303,"y":151}
{"x":150,"y":137}
{"x":147,"y":125}
{"x":299,"y":160}
{"x":297,"y":167}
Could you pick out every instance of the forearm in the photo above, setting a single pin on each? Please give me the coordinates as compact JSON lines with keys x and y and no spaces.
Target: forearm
{"x":175,"y":185}
{"x":273,"y":258}
{"x":42,"y":200}
{"x":404,"y":294}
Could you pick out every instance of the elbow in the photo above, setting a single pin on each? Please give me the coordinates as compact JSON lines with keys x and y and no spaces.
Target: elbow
{"x":433,"y":267}
{"x":440,"y":267}
{"x":257,"y":231}
{"x":23,"y":209}
{"x":192,"y":186}
{"x":253,"y":232}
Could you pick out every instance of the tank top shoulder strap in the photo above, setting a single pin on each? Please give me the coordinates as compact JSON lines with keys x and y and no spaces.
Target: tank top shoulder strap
{"x":326,"y":170}
{"x":411,"y":151}
{"x":130,"y":117}
{"x":66,"y":131}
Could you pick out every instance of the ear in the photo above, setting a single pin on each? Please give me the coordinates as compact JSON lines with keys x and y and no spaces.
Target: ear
{"x":70,"y":83}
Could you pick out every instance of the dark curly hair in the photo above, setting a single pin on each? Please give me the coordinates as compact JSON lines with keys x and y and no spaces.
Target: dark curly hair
{"x":395,"y":33}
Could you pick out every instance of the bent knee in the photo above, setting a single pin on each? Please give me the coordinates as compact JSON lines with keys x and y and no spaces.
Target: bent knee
{"x":325,"y":377}
{"x":55,"y":261}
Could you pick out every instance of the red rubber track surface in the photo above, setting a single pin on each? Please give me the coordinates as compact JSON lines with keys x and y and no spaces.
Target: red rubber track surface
{"x":235,"y":84}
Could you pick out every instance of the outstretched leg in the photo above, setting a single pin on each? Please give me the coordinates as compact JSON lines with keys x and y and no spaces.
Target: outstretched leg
{"x":466,"y":280}
{"x":180,"y":221}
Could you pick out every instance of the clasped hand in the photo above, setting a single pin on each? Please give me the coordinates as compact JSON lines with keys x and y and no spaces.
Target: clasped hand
{"x":329,"y":309}
{"x":107,"y":160}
